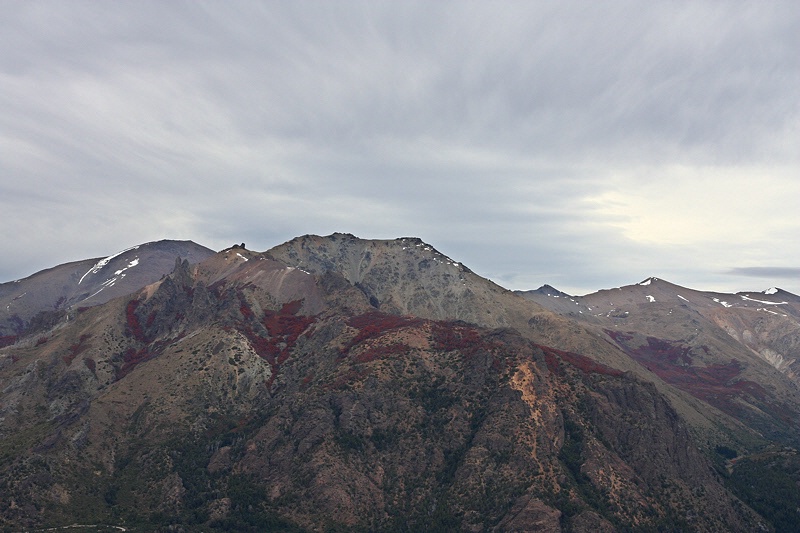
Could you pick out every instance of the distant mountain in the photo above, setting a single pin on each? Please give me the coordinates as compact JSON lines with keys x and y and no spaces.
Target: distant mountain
{"x":89,"y":282}
{"x":336,"y":383}
{"x":738,"y":352}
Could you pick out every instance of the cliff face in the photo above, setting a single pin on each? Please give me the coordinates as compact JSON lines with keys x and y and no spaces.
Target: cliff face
{"x":249,"y":392}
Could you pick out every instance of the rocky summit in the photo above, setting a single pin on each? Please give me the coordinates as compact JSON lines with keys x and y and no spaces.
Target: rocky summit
{"x":341,"y":384}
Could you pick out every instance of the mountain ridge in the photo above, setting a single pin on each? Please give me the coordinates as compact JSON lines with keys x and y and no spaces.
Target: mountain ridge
{"x":89,"y":282}
{"x":340,"y":382}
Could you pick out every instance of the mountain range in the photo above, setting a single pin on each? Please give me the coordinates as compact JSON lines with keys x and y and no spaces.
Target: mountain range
{"x":342,"y":384}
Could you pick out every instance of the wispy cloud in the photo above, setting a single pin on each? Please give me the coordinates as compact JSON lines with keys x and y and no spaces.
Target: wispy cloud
{"x":767,"y":272}
{"x":568,"y":143}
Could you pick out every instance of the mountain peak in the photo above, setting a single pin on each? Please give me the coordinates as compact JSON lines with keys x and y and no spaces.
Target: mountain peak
{"x":549,"y":290}
{"x":91,"y":281}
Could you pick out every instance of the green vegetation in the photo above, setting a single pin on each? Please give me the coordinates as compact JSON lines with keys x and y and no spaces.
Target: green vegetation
{"x":572,"y":457}
{"x":770,"y":484}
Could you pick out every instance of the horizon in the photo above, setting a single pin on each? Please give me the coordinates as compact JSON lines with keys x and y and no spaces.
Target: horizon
{"x":545,"y":283}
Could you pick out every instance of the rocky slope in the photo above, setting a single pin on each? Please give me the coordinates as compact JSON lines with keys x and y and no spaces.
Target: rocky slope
{"x":736,"y":352}
{"x":333,"y":383}
{"x":44,"y":297}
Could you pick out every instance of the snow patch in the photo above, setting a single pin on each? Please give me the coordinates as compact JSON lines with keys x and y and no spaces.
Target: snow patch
{"x":723,"y":304}
{"x":103,"y":262}
{"x":771,"y":290}
{"x":646,"y":282}
{"x":240,"y":255}
{"x":131,"y":264}
{"x":682,"y":298}
{"x":770,"y":311}
{"x":763,"y":301}
{"x":650,"y":298}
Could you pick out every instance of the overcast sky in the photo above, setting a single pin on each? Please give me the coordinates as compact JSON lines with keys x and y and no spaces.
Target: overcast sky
{"x":586,"y":145}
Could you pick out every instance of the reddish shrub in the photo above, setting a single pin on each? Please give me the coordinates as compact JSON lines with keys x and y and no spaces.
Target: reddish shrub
{"x":7,"y":340}
{"x":375,"y":324}
{"x":551,"y":360}
{"x":554,"y":357}
{"x":131,"y":358}
{"x":715,"y":384}
{"x":76,"y":349}
{"x":284,"y":327}
{"x":134,"y":328}
{"x":291,"y":308}
{"x":448,"y":337}
{"x":90,"y":364}
{"x":247,"y":313}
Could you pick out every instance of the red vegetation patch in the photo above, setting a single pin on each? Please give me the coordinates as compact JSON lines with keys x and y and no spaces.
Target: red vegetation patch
{"x":448,"y":337}
{"x":656,"y":349}
{"x":285,"y":323}
{"x":715,"y":384}
{"x":247,"y":313}
{"x":244,"y":309}
{"x":373,"y":326}
{"x":467,"y":340}
{"x":131,"y":358}
{"x":8,"y":340}
{"x":283,"y":327}
{"x":553,"y":359}
{"x":291,"y":308}
{"x":76,"y":349}
{"x":90,"y":364}
{"x":41,"y":340}
{"x":134,"y":327}
{"x":375,"y":323}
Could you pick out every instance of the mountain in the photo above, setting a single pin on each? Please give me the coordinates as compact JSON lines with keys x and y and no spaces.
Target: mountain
{"x":736,"y":352}
{"x":51,"y":293}
{"x":335,"y":383}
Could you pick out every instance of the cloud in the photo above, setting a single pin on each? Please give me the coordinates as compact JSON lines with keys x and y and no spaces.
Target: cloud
{"x":569,"y":143}
{"x":767,"y":272}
